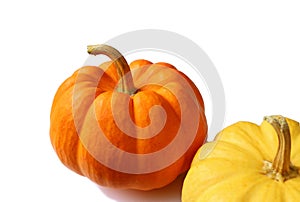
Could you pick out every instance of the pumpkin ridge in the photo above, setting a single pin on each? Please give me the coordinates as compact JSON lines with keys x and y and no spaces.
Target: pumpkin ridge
{"x":250,"y":192}
{"x":65,"y":124}
{"x":243,"y":136}
{"x":230,"y":183}
{"x":232,"y":148}
{"x":66,"y":85}
{"x":103,"y":113}
{"x":292,"y":188}
{"x":172,"y":107}
{"x":227,"y":179}
{"x":295,"y":135}
{"x":153,"y":144}
{"x":166,"y":94}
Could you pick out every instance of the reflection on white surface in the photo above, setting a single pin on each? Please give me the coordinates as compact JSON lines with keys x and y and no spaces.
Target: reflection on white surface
{"x":170,"y":193}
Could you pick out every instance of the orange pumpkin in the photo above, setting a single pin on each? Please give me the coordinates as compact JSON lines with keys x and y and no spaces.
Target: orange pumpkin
{"x":133,"y":126}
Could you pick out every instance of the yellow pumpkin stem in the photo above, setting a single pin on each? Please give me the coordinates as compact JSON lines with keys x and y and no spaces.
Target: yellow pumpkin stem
{"x":123,"y":69}
{"x":281,"y":169}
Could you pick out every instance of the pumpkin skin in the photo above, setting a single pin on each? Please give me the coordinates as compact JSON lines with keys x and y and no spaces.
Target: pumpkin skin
{"x":93,"y":98}
{"x":237,"y":165}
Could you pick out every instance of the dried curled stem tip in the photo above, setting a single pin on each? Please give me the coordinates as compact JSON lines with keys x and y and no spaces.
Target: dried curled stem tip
{"x":278,"y":120}
{"x":126,"y":81}
{"x":91,"y":48}
{"x":102,"y":49}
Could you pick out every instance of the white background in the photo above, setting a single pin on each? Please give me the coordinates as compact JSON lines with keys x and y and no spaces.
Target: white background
{"x":255,"y":46}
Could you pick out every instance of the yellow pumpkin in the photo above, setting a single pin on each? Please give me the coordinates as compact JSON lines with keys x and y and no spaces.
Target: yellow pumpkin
{"x":247,"y":162}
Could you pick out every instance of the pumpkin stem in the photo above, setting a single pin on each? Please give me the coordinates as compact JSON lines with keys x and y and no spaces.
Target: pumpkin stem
{"x":123,"y":69}
{"x":281,"y":169}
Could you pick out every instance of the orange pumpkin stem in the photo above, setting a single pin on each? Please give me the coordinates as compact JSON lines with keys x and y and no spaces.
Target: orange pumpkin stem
{"x":123,"y":69}
{"x":281,"y":169}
